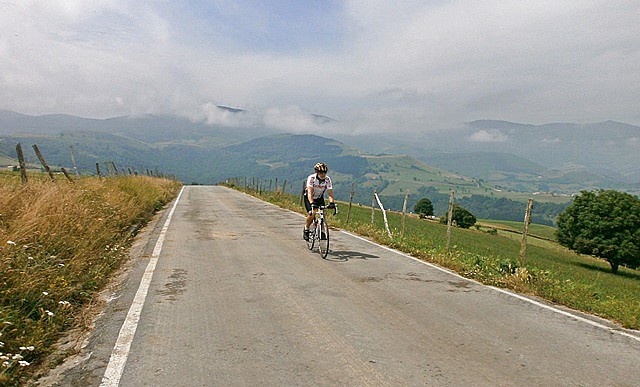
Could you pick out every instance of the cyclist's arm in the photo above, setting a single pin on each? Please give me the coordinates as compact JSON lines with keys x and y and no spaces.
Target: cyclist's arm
{"x":310,"y":194}
{"x":330,"y":194}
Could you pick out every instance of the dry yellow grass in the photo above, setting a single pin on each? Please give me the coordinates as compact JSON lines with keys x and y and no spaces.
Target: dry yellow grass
{"x":59,"y":244}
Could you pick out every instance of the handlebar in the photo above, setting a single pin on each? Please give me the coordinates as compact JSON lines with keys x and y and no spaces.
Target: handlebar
{"x":335,"y":208}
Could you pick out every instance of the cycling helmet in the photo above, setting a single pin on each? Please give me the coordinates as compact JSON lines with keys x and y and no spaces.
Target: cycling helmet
{"x":321,"y":168}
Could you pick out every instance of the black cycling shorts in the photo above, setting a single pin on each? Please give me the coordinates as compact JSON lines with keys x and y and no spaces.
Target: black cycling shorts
{"x":318,"y":202}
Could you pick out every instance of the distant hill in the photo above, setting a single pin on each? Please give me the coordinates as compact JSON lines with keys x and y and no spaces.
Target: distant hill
{"x":287,"y":157}
{"x":479,"y":158}
{"x":482,"y":165}
{"x":607,"y":153}
{"x":147,"y":128}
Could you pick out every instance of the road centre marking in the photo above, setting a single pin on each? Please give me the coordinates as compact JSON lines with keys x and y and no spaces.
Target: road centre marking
{"x":120,"y":352}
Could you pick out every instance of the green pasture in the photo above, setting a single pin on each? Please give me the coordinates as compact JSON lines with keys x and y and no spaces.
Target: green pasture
{"x":537,"y":230}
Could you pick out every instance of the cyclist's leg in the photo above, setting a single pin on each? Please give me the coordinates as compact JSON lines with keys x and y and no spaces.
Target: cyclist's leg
{"x":309,"y":219}
{"x":317,"y":202}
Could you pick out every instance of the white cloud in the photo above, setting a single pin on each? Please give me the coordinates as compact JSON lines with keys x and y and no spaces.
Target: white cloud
{"x":551,"y":141}
{"x":409,"y":66}
{"x":214,"y":115}
{"x":488,"y":136}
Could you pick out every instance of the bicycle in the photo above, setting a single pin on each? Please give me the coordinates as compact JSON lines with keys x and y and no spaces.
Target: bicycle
{"x":319,"y":230}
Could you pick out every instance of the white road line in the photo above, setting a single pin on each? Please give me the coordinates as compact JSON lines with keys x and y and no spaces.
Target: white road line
{"x":515,"y":295}
{"x":120,"y":352}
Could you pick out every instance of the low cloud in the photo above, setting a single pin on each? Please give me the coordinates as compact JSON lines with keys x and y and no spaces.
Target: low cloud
{"x":551,"y":141}
{"x":488,"y":136}
{"x":291,"y":119}
{"x":213,"y":114}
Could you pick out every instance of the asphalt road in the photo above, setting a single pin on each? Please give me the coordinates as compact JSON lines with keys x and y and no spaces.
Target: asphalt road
{"x":236,"y":298}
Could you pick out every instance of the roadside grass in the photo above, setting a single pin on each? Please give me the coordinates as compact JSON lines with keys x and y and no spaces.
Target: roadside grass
{"x":555,"y":274}
{"x":59,"y":245}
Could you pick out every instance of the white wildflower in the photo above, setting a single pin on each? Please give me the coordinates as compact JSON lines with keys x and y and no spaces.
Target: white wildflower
{"x":64,"y":303}
{"x":1,"y":344}
{"x":29,"y":348}
{"x":45,"y":293}
{"x":11,"y":243}
{"x":4,"y":357}
{"x":61,"y":264}
{"x":17,"y":356}
{"x":24,"y":363}
{"x":49,"y":313}
{"x":6,"y":364}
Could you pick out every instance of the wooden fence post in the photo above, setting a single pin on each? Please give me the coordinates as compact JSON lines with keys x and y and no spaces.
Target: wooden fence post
{"x":404,"y":212}
{"x":73,"y":160}
{"x":98,"y":170}
{"x":350,"y":201}
{"x":66,"y":174}
{"x":449,"y":220}
{"x":525,"y":232}
{"x":276,"y":189}
{"x":284,"y":186}
{"x":44,"y":163}
{"x":23,"y":169}
{"x":373,"y":204}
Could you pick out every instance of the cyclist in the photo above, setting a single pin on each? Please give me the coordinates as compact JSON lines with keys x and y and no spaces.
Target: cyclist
{"x":317,"y":184}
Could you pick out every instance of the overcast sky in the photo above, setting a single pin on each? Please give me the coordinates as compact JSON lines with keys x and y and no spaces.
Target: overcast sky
{"x":371,"y":65}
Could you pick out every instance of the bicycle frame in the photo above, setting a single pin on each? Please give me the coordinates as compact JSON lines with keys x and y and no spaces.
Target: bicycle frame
{"x":319,"y":223}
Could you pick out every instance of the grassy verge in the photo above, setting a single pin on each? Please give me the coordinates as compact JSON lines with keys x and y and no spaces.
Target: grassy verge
{"x":59,"y":245}
{"x":557,"y":275}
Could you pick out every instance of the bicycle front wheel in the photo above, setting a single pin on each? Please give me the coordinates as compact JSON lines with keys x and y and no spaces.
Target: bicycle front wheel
{"x":311,"y":240}
{"x":323,"y":243}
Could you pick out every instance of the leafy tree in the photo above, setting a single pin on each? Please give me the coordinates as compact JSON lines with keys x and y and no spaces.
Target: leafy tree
{"x":461,"y":216}
{"x":605,"y":224}
{"x":424,"y":208}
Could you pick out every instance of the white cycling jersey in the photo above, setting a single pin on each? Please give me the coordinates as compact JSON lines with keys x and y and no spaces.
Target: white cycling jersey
{"x":318,"y":186}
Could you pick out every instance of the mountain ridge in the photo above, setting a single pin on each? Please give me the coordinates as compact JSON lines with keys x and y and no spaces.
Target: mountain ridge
{"x":484,"y":150}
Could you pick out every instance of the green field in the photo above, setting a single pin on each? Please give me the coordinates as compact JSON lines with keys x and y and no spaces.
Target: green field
{"x":550,"y":272}
{"x":535,"y":230}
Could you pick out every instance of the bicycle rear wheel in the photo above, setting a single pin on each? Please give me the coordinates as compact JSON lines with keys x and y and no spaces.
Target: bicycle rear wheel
{"x":323,"y":243}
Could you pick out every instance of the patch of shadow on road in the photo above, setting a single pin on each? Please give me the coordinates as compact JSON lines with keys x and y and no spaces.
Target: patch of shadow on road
{"x":460,"y":286}
{"x":223,"y":235}
{"x":176,"y":286}
{"x":370,"y":279}
{"x":343,"y":256}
